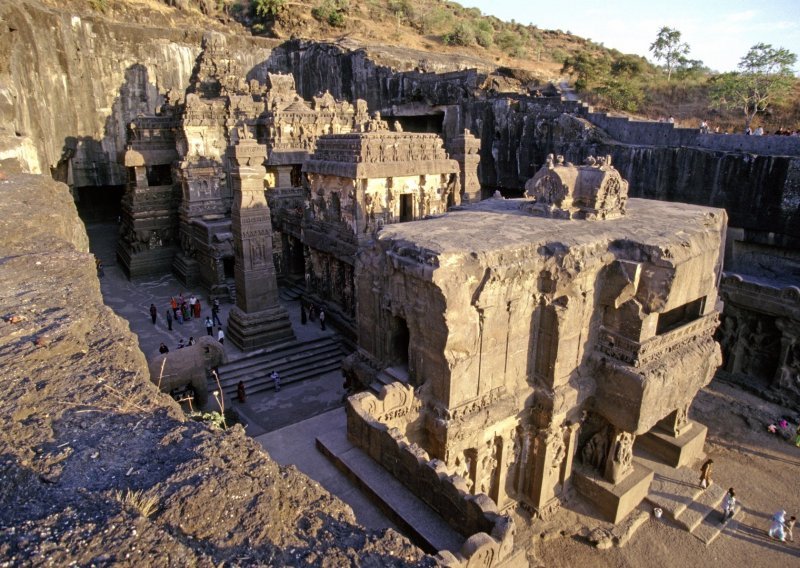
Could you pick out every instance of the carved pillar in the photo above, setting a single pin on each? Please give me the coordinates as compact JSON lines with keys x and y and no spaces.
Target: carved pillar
{"x":258,"y":319}
{"x":677,"y":422}
{"x":547,"y":463}
{"x":465,"y":149}
{"x":571,"y":442}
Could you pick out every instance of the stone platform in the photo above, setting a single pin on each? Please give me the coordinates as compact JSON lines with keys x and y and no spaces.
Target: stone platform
{"x":614,"y":501}
{"x":675,"y":451}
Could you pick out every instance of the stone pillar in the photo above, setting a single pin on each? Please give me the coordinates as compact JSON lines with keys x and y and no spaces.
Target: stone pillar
{"x":547,"y":462}
{"x":258,"y":319}
{"x":284,"y":176}
{"x":465,"y":149}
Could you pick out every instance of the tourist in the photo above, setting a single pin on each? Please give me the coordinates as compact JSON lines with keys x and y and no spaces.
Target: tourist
{"x":705,"y":473}
{"x":312,"y":312}
{"x":168,"y":316}
{"x":797,"y":437}
{"x":181,"y":344}
{"x":192,"y":302}
{"x":173,"y":303}
{"x":209,"y":326}
{"x":197,"y":309}
{"x":703,"y":127}
{"x":276,"y":380}
{"x":191,"y":341}
{"x":185,"y":312}
{"x":322,"y":318}
{"x":302,"y":314}
{"x":240,"y":391}
{"x":759,"y":132}
{"x":221,"y":336}
{"x":179,"y":316}
{"x":671,"y":119}
{"x":790,"y":527}
{"x":778,"y":528}
{"x":215,"y":312}
{"x":153,"y":313}
{"x":163,"y":348}
{"x":728,"y":505}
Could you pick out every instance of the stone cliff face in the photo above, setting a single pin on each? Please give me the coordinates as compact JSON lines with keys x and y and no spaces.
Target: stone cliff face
{"x":85,"y":429}
{"x":70,"y":84}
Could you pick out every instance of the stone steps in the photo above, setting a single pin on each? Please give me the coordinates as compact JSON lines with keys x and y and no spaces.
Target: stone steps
{"x":678,"y":493}
{"x":414,"y":517}
{"x":294,"y":361}
{"x":387,"y":376}
{"x":712,"y":527}
{"x":291,"y":292}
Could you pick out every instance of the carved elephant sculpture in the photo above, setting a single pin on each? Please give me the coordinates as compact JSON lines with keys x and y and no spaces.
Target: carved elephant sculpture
{"x":190,"y":365}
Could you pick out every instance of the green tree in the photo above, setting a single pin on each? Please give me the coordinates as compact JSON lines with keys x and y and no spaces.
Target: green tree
{"x":669,"y":47}
{"x":267,"y":9}
{"x":765,"y":77}
{"x":462,"y":34}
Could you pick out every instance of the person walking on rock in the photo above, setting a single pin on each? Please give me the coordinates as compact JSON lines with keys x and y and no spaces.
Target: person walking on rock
{"x":322,"y":318}
{"x":209,"y":326}
{"x":705,"y":474}
{"x":168,"y":316}
{"x":728,"y":505}
{"x":221,"y":336}
{"x":153,"y":313}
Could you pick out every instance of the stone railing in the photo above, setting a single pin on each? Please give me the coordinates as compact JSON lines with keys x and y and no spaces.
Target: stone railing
{"x":372,"y":425}
{"x":637,"y":354}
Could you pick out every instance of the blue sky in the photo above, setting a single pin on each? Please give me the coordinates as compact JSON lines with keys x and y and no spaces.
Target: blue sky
{"x":719,"y":32}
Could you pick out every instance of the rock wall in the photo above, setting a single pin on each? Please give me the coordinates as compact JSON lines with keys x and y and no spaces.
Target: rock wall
{"x":88,"y":438}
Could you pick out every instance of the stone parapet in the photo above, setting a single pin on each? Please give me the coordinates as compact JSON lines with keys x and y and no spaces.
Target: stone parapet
{"x":375,"y":424}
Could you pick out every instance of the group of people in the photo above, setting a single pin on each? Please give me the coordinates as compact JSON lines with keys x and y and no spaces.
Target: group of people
{"x":782,"y":429}
{"x":184,"y":309}
{"x":781,"y":528}
{"x":313,"y":314}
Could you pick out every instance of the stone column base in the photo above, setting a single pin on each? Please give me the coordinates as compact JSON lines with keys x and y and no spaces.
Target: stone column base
{"x":186,"y":270}
{"x":675,"y":451}
{"x":145,"y":262}
{"x":614,"y":501}
{"x":258,"y":329}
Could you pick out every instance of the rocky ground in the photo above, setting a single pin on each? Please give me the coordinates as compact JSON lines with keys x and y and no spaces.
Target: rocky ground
{"x":97,"y":467}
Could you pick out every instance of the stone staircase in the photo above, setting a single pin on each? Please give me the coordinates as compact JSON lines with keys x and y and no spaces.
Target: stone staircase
{"x":387,"y":376}
{"x":293,"y":360}
{"x":290,"y":291}
{"x":676,"y":491}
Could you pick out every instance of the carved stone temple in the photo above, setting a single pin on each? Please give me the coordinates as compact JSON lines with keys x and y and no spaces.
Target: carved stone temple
{"x":258,"y":318}
{"x":542,"y":339}
{"x":358,"y":183}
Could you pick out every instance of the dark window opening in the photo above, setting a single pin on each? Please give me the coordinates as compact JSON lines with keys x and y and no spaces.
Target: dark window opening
{"x":297,"y":176}
{"x":228,"y":266}
{"x":680,"y":316}
{"x":159,"y":175}
{"x":406,"y":207}
{"x":399,"y":339}
{"x":423,"y":123}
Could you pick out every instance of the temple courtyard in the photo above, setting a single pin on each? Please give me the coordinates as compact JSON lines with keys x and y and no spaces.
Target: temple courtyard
{"x":762,"y":467}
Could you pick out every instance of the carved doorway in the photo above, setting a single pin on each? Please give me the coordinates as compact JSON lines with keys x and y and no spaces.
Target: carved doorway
{"x":399,"y":339}
{"x":406,"y":207}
